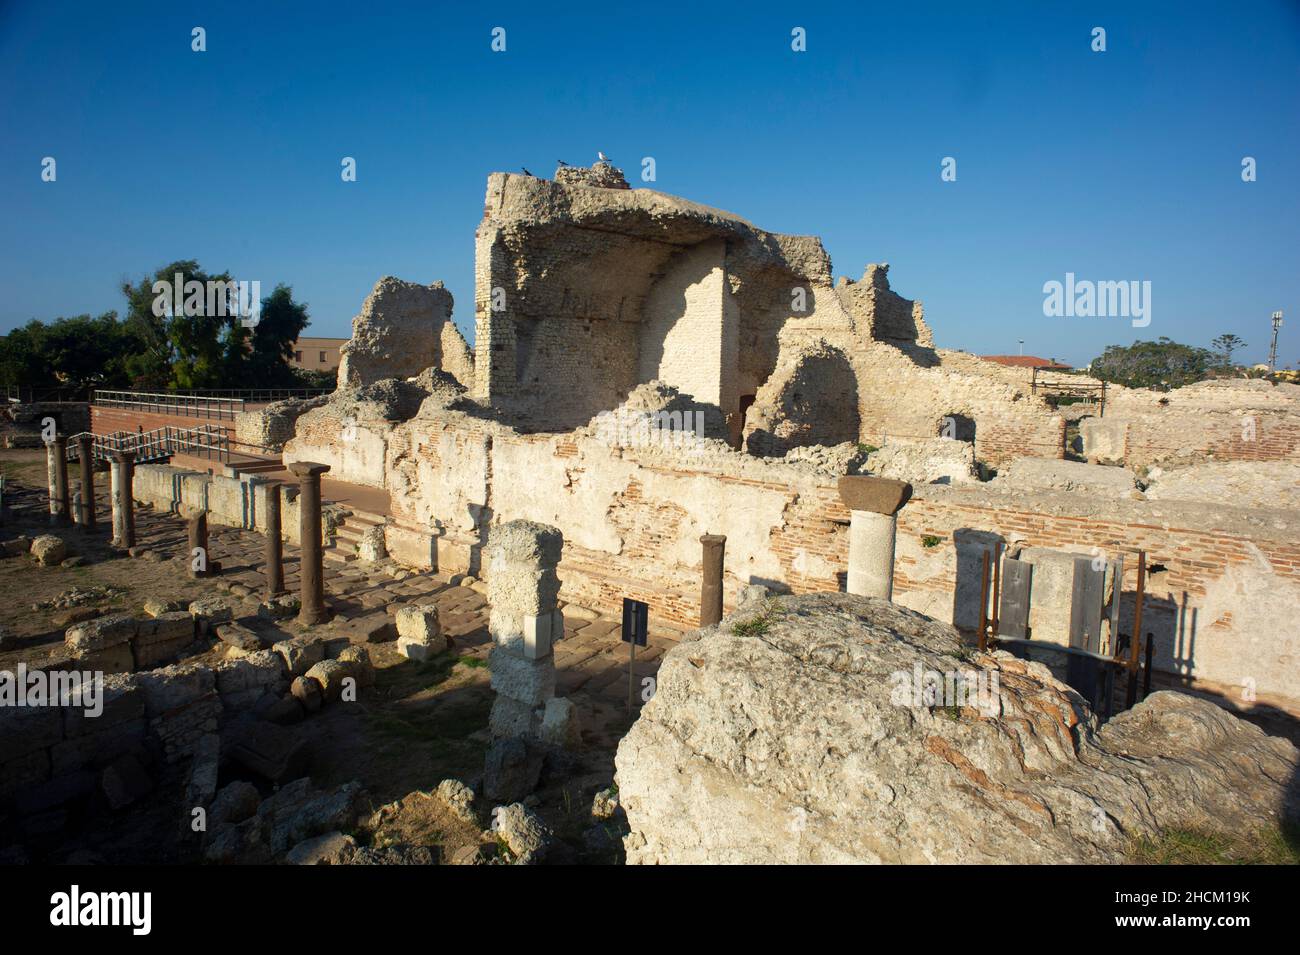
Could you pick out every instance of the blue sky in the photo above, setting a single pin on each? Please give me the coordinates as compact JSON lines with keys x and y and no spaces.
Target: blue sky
{"x":1122,"y":165}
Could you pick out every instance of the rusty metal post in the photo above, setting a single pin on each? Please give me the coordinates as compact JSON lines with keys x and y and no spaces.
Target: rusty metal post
{"x":984,"y":600}
{"x":711,"y":588}
{"x":1130,"y":696}
{"x":997,"y":585}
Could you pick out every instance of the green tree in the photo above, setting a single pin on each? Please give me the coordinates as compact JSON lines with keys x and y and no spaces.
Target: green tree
{"x":1225,"y":345}
{"x":1152,"y":364}
{"x":280,"y":323}
{"x":79,"y":352}
{"x":199,"y":340}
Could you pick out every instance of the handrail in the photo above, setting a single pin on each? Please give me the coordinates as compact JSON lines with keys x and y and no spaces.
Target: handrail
{"x":191,"y":406}
{"x":204,"y":441}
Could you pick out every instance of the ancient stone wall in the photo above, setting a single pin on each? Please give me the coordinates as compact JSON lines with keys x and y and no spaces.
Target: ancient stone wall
{"x":632,"y":518}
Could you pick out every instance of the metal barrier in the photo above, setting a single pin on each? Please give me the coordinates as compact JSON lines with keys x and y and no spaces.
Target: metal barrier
{"x":191,"y":406}
{"x":206,"y":441}
{"x":218,"y":403}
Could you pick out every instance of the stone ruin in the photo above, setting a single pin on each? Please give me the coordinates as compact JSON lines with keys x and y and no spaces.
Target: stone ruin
{"x":647,"y":370}
{"x":650,"y":375}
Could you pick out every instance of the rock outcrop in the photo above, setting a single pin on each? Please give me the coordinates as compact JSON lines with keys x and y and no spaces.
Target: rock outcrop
{"x":805,"y":729}
{"x":403,"y":329}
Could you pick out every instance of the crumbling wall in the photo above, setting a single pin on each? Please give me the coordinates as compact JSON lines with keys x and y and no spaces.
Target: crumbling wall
{"x":811,"y":399}
{"x":572,"y":283}
{"x":1227,"y":420}
{"x":272,"y":426}
{"x":404,"y":328}
{"x":884,"y":315}
{"x":1226,"y":586}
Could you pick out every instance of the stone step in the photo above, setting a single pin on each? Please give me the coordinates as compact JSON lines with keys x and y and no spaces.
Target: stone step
{"x":356,"y":517}
{"x":338,"y":555}
{"x":349,"y":532}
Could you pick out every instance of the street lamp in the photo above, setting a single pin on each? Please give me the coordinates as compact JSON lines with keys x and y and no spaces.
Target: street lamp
{"x":1272,"y":351}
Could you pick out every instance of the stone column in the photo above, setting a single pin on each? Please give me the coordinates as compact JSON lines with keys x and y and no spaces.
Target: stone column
{"x":873,"y":505}
{"x":711,"y":589}
{"x":524,"y":622}
{"x":197,"y":535}
{"x":86,"y":452}
{"x":274,"y":543}
{"x":123,"y":497}
{"x":56,"y":463}
{"x":312,"y":571}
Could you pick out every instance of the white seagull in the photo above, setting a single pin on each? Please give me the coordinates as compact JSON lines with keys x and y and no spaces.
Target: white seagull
{"x":603,"y":157}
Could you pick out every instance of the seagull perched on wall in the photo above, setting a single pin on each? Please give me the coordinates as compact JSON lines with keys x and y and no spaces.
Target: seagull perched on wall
{"x":527,"y":173}
{"x":603,"y":157}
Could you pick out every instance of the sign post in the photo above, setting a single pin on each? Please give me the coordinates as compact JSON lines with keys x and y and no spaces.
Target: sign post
{"x":636,"y":614}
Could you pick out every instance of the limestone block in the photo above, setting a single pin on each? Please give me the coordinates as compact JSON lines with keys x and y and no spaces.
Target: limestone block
{"x":170,"y":688}
{"x":261,"y":670}
{"x":300,"y":654}
{"x":531,"y":682}
{"x":560,"y":725}
{"x":308,"y":692}
{"x":48,"y":550}
{"x":357,"y":659}
{"x":164,"y":628}
{"x":419,"y":623}
{"x":330,"y":674}
{"x":97,"y":634}
{"x":511,"y":718}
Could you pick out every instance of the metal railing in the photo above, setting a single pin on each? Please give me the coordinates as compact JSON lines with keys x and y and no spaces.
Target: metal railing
{"x":190,"y":406}
{"x":27,"y":394}
{"x":206,"y":441}
{"x":218,"y":403}
{"x":260,"y":395}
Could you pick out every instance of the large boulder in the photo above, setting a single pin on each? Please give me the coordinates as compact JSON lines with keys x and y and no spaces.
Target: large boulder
{"x":404,"y":328}
{"x":807,"y":730}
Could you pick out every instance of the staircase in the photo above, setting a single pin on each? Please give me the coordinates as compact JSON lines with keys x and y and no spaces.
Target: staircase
{"x":347,"y":535}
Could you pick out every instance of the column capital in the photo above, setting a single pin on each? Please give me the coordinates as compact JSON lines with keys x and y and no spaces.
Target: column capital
{"x":307,"y":469}
{"x":860,"y":492}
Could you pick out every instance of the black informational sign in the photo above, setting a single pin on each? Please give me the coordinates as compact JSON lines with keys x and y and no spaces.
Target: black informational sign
{"x":636,"y":618}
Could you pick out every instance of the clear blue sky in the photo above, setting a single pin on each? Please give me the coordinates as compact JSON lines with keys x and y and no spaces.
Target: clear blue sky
{"x":1117,"y":165}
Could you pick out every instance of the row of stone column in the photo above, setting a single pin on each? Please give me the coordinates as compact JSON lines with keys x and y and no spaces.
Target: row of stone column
{"x":122,"y":496}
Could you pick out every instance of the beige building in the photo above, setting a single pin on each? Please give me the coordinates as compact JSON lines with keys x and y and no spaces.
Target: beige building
{"x":317,"y":354}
